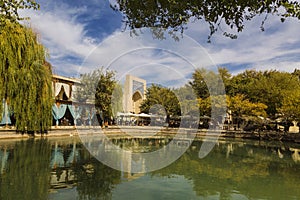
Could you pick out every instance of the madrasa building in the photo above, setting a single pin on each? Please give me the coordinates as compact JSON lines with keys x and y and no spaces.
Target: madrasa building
{"x":67,"y":111}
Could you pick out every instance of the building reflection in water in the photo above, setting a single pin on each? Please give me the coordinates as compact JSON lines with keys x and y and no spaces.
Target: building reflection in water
{"x":3,"y":159}
{"x":295,"y":155}
{"x":63,"y":165}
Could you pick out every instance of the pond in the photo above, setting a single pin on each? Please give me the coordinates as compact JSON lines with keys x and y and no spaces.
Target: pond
{"x":62,"y":168}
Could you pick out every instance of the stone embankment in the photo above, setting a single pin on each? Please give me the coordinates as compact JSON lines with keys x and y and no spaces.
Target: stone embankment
{"x":137,"y":131}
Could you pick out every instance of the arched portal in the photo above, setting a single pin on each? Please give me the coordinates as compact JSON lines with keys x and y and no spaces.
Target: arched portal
{"x":134,"y":93}
{"x":137,"y":100}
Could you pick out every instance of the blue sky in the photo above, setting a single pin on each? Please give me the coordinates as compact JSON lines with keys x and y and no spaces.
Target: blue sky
{"x":73,"y":31}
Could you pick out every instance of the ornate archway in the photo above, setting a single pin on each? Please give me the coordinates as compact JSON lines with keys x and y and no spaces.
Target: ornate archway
{"x":134,"y":93}
{"x":137,"y":100}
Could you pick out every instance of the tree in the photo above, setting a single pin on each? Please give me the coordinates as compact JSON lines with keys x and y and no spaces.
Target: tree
{"x":204,"y":106}
{"x":9,"y":9}
{"x":117,"y":99}
{"x":270,"y":89}
{"x":25,"y":76}
{"x":100,"y":88}
{"x":207,"y":82}
{"x":187,"y":100}
{"x":173,"y":15}
{"x":103,"y":96}
{"x":225,"y":77}
{"x":157,"y":95}
{"x":290,"y":109}
{"x":213,"y":103}
{"x":198,"y":83}
{"x":267,"y":87}
{"x":243,"y":110}
{"x":85,"y":92}
{"x":240,"y":84}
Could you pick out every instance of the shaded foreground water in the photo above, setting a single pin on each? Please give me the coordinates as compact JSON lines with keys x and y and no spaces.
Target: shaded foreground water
{"x":64,"y":169}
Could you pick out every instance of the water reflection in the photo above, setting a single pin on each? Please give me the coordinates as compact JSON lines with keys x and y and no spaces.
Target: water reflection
{"x":295,"y":155}
{"x":3,"y":158}
{"x":26,"y":171}
{"x":58,"y":159}
{"x":63,"y":169}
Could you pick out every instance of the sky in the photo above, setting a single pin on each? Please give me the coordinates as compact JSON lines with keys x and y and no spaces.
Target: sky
{"x":83,"y":35}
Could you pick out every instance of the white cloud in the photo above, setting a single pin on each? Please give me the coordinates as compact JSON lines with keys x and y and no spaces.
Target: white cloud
{"x":68,"y":44}
{"x":254,"y":48}
{"x":61,"y":34}
{"x":165,"y":62}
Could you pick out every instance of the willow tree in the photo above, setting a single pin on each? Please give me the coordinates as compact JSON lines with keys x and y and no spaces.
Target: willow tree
{"x":25,"y":77}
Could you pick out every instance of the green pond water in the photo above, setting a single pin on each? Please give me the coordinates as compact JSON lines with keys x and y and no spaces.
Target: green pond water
{"x":235,"y":169}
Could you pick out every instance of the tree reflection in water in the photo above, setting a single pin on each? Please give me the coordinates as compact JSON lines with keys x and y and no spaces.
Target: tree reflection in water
{"x":252,"y":169}
{"x":27,"y":171}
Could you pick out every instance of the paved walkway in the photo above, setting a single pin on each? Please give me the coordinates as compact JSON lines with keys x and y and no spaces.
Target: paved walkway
{"x":63,"y":131}
{"x":10,"y":133}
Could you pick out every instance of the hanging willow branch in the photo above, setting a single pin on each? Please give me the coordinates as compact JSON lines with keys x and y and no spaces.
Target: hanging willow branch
{"x":25,"y":77}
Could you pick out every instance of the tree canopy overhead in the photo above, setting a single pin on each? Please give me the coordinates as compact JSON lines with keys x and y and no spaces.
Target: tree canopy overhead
{"x":9,"y":9}
{"x":174,"y":15}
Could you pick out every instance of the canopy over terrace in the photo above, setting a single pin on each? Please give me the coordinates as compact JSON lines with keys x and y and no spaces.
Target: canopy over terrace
{"x":132,"y":119}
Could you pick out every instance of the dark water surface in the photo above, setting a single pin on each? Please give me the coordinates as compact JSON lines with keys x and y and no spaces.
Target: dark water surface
{"x":64,"y":169}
